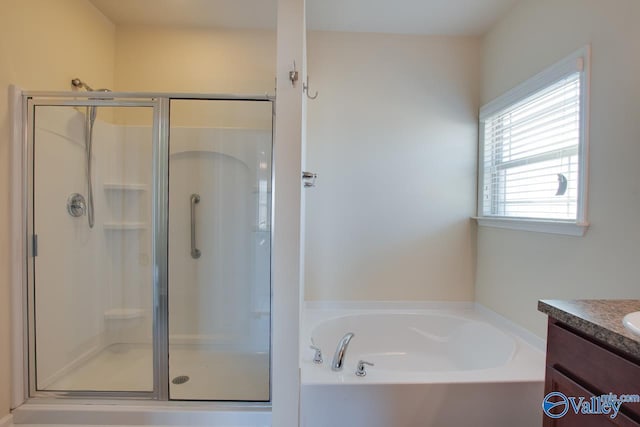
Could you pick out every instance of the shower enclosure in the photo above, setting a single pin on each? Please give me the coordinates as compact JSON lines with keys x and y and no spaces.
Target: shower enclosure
{"x":164,"y":293}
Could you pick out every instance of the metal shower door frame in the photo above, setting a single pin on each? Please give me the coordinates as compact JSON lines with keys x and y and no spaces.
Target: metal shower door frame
{"x":160,"y":149}
{"x":160,"y":102}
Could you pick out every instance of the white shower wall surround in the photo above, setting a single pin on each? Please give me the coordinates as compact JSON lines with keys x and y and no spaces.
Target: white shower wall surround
{"x":108,"y":269}
{"x":214,"y":305}
{"x":82,"y":268}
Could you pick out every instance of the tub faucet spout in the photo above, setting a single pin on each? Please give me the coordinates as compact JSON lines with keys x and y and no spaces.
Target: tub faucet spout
{"x":341,"y":350}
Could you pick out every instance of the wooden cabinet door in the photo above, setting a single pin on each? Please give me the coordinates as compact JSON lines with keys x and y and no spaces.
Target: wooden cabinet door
{"x":556,"y":381}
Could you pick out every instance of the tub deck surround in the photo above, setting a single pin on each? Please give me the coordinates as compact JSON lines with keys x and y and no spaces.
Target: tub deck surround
{"x":598,"y":319}
{"x":436,"y":365}
{"x":417,"y":343}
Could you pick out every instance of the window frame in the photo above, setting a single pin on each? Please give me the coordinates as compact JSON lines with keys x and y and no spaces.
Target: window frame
{"x":579,"y":61}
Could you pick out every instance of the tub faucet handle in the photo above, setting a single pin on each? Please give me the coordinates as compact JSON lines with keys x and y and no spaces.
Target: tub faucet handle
{"x":317,"y":357}
{"x":360,"y":370}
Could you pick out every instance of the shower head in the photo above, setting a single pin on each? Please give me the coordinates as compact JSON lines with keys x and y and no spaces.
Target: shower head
{"x":82,"y":85}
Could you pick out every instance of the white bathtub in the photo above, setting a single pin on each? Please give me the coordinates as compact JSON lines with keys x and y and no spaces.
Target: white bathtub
{"x":435,"y":365}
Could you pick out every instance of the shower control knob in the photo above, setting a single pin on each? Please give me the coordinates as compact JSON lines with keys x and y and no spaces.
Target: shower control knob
{"x":76,"y":205}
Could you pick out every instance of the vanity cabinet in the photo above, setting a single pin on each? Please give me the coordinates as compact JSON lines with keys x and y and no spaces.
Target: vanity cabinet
{"x":580,"y":366}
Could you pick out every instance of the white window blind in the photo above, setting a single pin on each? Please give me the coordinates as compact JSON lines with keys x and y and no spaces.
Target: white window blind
{"x":531,"y":148}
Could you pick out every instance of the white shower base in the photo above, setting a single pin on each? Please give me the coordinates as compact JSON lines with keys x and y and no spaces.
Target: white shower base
{"x":213,"y":375}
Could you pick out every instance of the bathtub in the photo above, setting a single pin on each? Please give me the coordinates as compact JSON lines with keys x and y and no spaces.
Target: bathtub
{"x":437,"y":365}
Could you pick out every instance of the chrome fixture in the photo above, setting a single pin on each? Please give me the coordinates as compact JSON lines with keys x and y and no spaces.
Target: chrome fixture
{"x":341,"y":350}
{"x":360,"y":370}
{"x":80,"y":84}
{"x":293,"y":75}
{"x":90,"y":119}
{"x":309,"y":179}
{"x":195,"y":252}
{"x":76,"y":205}
{"x":317,"y":357}
{"x":305,"y":89}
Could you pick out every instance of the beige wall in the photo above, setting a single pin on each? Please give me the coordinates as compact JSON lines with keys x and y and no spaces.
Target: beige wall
{"x":393,"y":138}
{"x":43,"y":45}
{"x":160,"y":59}
{"x":515,"y":269}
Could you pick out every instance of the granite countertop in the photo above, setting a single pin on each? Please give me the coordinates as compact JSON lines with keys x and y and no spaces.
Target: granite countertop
{"x":600,"y":319}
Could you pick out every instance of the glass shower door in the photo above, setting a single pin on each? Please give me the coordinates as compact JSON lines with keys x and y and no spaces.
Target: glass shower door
{"x":91,"y":269}
{"x":219,"y":250}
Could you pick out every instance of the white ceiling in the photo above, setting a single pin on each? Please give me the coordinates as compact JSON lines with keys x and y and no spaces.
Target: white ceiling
{"x":193,"y":13}
{"x":445,"y":17}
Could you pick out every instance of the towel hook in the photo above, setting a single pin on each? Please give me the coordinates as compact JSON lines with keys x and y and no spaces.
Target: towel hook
{"x":305,"y":89}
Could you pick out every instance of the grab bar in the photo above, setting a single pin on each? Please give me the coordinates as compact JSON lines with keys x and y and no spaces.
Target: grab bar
{"x":195,"y":252}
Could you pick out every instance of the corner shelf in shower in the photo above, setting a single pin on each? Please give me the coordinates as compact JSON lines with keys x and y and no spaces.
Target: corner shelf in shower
{"x":124,"y":187}
{"x":124,"y":226}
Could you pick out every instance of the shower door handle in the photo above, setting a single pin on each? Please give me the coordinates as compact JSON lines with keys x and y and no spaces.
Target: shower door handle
{"x":195,"y":252}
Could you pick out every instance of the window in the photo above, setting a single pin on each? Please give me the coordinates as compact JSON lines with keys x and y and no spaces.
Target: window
{"x":533,"y":152}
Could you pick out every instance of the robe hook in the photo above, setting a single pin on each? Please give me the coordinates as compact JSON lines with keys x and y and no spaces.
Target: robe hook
{"x":305,"y":89}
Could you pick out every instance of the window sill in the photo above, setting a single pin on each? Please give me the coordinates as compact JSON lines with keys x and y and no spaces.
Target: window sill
{"x":539,"y":226}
